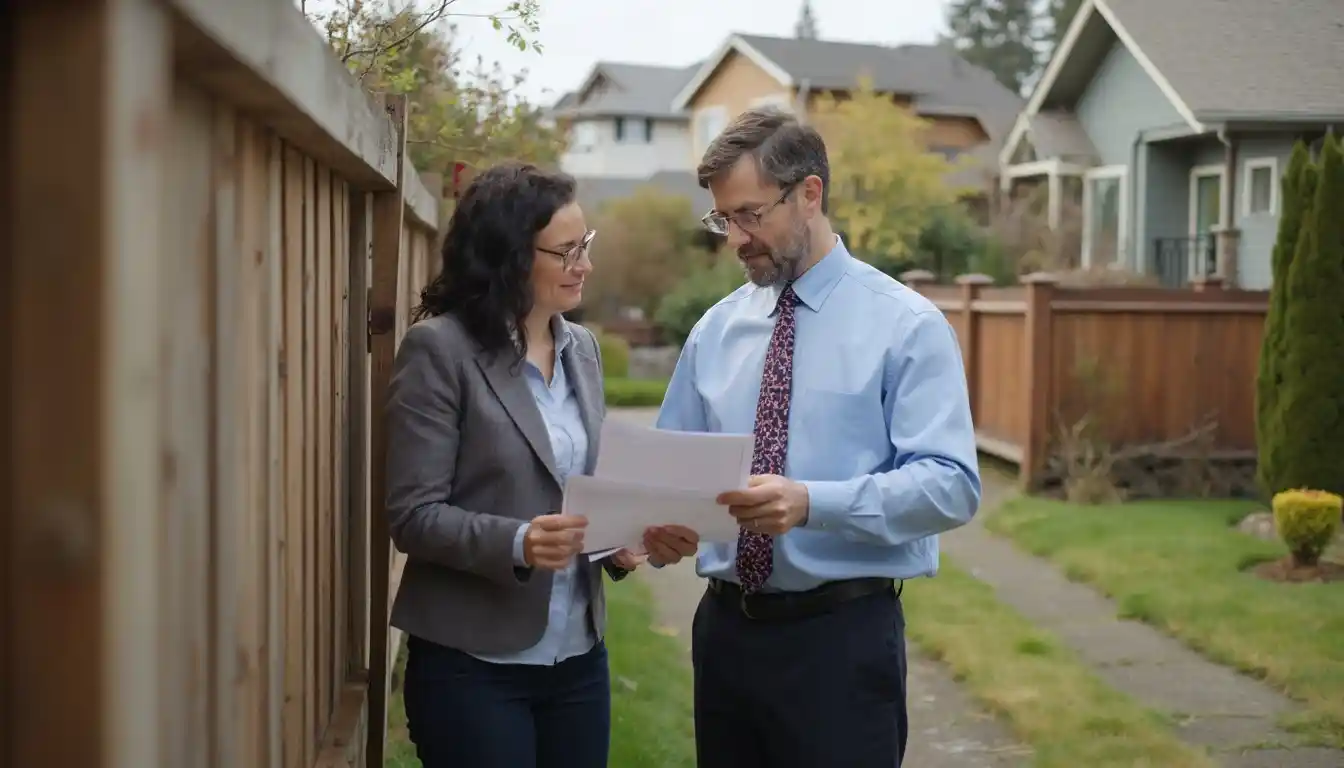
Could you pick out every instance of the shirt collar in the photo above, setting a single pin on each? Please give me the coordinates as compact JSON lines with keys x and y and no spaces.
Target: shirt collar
{"x":814,"y":285}
{"x":559,"y":329}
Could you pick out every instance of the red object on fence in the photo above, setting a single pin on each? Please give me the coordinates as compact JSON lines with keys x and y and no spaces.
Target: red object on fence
{"x":459,"y":179}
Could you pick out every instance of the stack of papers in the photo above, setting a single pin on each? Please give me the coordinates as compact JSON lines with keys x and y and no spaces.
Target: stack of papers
{"x":649,"y":477}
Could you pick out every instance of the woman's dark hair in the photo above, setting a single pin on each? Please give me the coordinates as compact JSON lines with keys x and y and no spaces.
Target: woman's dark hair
{"x":488,"y":252}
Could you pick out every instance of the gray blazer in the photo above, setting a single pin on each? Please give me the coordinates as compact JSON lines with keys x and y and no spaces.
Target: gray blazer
{"x":468,"y":462}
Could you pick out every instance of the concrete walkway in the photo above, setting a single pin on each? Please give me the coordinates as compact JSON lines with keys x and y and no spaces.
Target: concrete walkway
{"x":1231,"y":714}
{"x":946,"y":729}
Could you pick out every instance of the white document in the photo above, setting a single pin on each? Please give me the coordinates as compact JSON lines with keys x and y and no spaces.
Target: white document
{"x":648,"y":477}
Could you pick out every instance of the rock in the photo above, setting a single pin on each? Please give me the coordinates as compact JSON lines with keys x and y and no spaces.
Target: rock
{"x":1260,"y":525}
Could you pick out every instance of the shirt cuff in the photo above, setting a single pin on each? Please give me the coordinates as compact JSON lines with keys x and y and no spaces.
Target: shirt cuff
{"x":519,"y":561}
{"x":828,"y":503}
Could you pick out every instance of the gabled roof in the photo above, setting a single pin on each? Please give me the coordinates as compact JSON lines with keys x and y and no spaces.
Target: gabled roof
{"x":938,"y":80}
{"x":614,"y":89}
{"x":1215,"y":60}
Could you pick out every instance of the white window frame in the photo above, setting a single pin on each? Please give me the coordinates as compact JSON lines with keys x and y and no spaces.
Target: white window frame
{"x":585,"y":126}
{"x":1120,"y":172}
{"x":718,"y":113}
{"x":781,"y":100}
{"x":1248,"y":170}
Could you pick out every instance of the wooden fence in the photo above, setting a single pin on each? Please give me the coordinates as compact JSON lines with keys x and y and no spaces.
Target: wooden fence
{"x":212,"y":242}
{"x":1158,"y":362}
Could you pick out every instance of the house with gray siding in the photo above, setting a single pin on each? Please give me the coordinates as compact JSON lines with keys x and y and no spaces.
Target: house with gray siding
{"x":1166,"y":125}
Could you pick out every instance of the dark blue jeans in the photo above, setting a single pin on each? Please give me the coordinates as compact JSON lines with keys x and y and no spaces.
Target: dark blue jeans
{"x":466,"y":713}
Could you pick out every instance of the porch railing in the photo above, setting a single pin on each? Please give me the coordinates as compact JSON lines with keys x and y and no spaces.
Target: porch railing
{"x":1175,"y":261}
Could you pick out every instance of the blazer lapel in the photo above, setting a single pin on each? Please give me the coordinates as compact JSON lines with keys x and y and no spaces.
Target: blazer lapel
{"x":581,"y":369}
{"x":512,"y":391}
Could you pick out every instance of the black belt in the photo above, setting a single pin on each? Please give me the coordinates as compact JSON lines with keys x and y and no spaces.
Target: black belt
{"x":791,"y":606}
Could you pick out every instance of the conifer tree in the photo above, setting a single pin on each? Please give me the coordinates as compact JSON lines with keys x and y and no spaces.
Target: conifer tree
{"x":806,"y":28}
{"x":1293,"y":206}
{"x":1310,"y":423}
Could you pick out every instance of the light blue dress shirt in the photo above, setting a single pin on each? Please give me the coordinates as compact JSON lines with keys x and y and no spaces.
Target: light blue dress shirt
{"x":568,"y":631}
{"x":879,"y":422}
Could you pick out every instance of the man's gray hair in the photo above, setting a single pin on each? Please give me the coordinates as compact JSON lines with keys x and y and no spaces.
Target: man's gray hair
{"x":785,"y":150}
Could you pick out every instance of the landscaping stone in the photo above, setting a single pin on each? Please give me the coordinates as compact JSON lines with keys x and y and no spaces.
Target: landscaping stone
{"x":1214,"y":706}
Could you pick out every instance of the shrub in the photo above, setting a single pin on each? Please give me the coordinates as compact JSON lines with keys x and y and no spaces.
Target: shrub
{"x":1296,"y":186}
{"x":635,"y":393}
{"x":1308,"y":425}
{"x":1307,"y":521}
{"x":615,"y":354}
{"x":681,"y":309}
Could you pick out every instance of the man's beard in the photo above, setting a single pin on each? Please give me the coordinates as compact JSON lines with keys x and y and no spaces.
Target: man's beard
{"x":766,"y":266}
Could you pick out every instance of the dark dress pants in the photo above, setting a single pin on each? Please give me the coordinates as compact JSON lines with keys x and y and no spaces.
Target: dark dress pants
{"x":826,"y":690}
{"x":463,"y":712}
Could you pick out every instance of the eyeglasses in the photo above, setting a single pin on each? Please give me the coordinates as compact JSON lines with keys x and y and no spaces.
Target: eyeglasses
{"x":747,"y":221}
{"x":571,"y":257}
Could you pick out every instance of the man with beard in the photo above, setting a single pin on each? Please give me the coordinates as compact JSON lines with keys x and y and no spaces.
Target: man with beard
{"x":854,"y":388}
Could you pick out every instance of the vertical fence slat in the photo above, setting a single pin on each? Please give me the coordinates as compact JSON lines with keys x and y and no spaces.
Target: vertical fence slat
{"x":294,"y":716}
{"x":310,"y":530}
{"x":226,"y":488}
{"x":186,"y":443}
{"x":276,"y":520}
{"x":340,"y":275}
{"x":326,"y":694}
{"x":388,"y":213}
{"x":357,"y":345}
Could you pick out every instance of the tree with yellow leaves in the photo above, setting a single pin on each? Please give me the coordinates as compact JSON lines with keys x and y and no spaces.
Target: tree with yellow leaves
{"x":885,"y":183}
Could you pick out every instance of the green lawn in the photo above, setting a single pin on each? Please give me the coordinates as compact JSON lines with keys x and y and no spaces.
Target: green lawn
{"x":651,"y":703}
{"x":635,"y":393}
{"x":1054,"y":703}
{"x":1179,"y":566}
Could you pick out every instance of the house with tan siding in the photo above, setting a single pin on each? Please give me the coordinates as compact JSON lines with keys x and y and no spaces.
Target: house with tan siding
{"x":969,"y":111}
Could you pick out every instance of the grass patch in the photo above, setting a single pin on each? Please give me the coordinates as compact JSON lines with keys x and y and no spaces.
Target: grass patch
{"x":1052,"y":700}
{"x":651,"y":700}
{"x":635,"y":393}
{"x":1180,"y":567}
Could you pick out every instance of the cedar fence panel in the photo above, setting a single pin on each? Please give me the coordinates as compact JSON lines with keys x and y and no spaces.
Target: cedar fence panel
{"x":193,"y":574}
{"x":1154,"y":363}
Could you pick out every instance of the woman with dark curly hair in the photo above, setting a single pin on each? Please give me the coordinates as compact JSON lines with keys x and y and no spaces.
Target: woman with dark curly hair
{"x":495,"y":401}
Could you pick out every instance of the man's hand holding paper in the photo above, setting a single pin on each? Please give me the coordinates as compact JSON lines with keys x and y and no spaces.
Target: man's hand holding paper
{"x":666,"y":481}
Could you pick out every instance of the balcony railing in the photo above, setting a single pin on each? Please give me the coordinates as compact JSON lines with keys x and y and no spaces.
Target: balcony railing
{"x":1175,"y":261}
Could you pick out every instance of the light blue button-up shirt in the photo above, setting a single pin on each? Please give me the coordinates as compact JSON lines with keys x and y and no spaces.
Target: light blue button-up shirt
{"x":568,"y":631}
{"x":879,"y":423}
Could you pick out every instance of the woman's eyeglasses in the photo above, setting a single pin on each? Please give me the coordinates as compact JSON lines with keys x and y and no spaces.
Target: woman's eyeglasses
{"x":569,"y":258}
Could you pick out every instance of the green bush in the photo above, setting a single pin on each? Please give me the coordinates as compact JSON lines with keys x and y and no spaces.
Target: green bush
{"x":1307,"y":428}
{"x":635,"y":393}
{"x":1307,"y":521}
{"x":681,"y":309}
{"x":1297,"y":188}
{"x":615,"y":354}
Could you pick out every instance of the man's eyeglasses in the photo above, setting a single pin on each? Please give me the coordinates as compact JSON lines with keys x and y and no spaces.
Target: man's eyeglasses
{"x":571,"y":257}
{"x":747,"y":221}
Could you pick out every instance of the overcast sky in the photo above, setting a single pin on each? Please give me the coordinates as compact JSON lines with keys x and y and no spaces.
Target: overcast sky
{"x":576,"y":33}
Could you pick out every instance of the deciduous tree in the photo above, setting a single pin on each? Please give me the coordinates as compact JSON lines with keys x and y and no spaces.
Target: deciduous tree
{"x":885,"y":183}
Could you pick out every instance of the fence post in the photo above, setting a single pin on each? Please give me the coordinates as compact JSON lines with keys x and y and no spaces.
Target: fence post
{"x":1036,"y":443}
{"x":971,"y":285}
{"x":389,"y":210}
{"x":914,"y":279}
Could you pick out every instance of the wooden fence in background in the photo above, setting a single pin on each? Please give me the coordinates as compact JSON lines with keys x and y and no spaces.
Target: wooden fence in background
{"x":212,"y":242}
{"x":1159,"y":362}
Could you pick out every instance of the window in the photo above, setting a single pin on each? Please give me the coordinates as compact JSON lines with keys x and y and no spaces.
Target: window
{"x":709,"y":123}
{"x":648,"y":130}
{"x":1104,"y":216}
{"x":1262,"y":186}
{"x":583,"y":137}
{"x":620,"y":130}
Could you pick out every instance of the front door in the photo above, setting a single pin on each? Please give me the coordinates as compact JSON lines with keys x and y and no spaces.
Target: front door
{"x":1206,"y":203}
